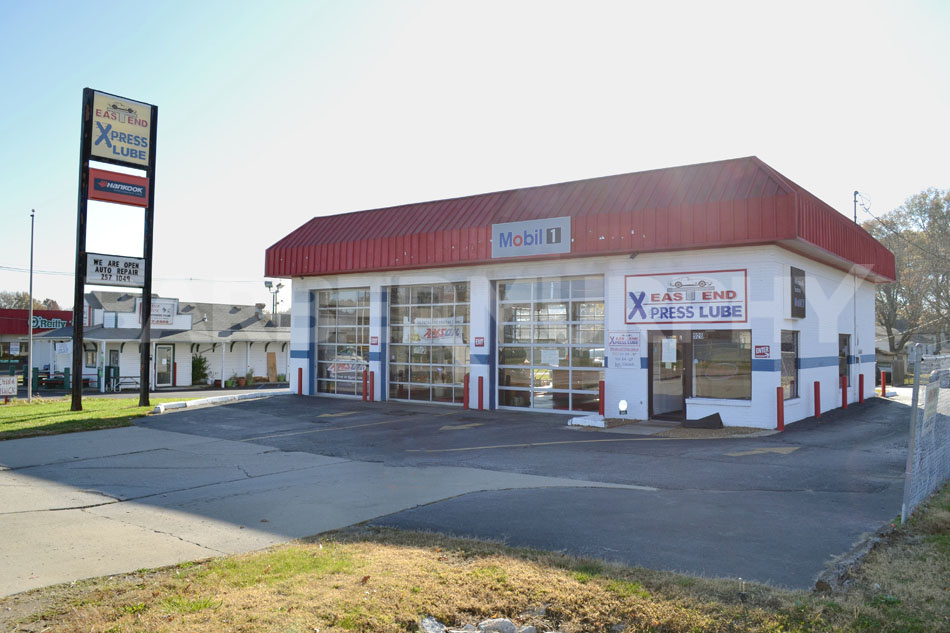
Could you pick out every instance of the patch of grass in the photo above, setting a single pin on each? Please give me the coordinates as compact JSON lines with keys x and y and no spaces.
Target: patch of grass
{"x":282,"y":564}
{"x":380,"y":580}
{"x":51,"y":416}
{"x":181,"y":604}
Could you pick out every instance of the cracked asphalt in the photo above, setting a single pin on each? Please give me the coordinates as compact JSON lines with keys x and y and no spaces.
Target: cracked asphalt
{"x":203,"y":482}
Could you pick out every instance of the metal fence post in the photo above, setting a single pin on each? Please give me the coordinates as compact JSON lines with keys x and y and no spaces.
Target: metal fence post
{"x":909,"y":470}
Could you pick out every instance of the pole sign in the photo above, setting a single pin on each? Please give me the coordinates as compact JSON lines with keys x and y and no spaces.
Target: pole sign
{"x":708,"y":296}
{"x":123,"y":132}
{"x":550,"y":236}
{"x":115,"y":270}
{"x":120,"y":130}
{"x":109,"y":186}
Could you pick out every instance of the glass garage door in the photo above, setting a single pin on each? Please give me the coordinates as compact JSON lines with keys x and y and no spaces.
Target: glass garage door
{"x":428,"y":335}
{"x":342,"y":340}
{"x":551,"y":343}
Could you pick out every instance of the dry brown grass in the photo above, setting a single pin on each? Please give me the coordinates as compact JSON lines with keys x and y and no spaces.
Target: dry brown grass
{"x":367,"y":579}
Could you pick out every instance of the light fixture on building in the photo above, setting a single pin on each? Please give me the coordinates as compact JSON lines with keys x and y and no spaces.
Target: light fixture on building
{"x":623,"y":407}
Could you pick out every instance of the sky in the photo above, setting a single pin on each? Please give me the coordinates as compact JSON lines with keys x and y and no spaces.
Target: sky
{"x":273,"y":113}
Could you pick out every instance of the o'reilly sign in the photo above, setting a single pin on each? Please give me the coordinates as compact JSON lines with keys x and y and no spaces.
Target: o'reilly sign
{"x":550,"y":236}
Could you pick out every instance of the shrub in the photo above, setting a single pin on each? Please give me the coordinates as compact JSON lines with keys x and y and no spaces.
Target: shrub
{"x":199,"y":369}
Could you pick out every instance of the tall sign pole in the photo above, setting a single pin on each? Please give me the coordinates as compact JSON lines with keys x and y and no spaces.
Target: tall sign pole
{"x":29,"y":325}
{"x":146,"y":355}
{"x":79,"y":290}
{"x":122,"y":132}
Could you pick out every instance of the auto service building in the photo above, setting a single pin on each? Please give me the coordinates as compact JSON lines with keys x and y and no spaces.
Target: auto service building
{"x":686,"y":292}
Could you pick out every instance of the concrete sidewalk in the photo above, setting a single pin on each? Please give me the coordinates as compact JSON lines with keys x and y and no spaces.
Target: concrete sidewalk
{"x":104,"y":502}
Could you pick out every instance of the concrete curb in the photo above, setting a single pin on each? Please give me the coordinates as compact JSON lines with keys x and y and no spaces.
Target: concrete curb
{"x":162,"y":408}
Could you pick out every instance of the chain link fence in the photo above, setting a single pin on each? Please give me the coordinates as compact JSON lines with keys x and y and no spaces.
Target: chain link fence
{"x":928,"y":457}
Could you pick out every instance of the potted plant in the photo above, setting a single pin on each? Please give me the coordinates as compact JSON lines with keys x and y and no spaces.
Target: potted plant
{"x":231,"y":382}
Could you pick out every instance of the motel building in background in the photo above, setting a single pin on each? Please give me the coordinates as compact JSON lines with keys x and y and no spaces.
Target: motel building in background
{"x":719,"y":289}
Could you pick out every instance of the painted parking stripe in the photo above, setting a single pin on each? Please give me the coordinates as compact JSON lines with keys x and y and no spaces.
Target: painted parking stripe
{"x":334,"y":428}
{"x":564,"y":442}
{"x":786,"y":450}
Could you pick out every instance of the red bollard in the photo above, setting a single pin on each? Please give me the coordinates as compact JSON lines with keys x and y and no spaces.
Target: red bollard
{"x":844,"y":392}
{"x":372,"y":386}
{"x":860,"y":387}
{"x":174,"y":374}
{"x":817,"y":399}
{"x":481,"y":393}
{"x":780,"y":408}
{"x":364,"y":385}
{"x":883,"y":385}
{"x":465,"y":392}
{"x":300,"y":381}
{"x":602,"y":406}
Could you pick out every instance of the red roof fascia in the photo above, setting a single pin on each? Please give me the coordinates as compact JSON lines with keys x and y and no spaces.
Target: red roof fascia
{"x":14,"y":321}
{"x":713,"y":205}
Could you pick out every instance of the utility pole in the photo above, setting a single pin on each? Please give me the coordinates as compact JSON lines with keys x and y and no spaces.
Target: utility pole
{"x":29,"y":326}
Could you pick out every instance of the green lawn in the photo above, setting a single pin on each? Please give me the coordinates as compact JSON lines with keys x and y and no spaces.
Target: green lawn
{"x":50,"y":416}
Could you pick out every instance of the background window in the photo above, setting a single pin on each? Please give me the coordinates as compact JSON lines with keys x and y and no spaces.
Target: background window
{"x":790,"y":364}
{"x":722,"y":364}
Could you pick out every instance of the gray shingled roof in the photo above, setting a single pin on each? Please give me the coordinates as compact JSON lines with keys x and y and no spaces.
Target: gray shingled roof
{"x":211,"y":322}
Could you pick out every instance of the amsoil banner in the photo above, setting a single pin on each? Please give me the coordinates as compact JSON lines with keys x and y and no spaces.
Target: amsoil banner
{"x":708,"y":296}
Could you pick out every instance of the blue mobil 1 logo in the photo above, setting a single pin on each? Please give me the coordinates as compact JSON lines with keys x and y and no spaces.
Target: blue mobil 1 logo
{"x":550,"y":236}
{"x":714,"y":296}
{"x":114,"y":186}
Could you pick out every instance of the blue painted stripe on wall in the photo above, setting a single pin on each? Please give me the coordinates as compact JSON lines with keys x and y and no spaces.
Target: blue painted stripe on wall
{"x":766,"y":364}
{"x":869,"y":358}
{"x":375,"y":357}
{"x":299,"y":353}
{"x":817,"y":361}
{"x":644,"y":362}
{"x":481,"y":359}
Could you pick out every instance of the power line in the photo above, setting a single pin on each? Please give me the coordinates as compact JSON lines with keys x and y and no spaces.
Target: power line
{"x":17,"y":269}
{"x":900,"y":236}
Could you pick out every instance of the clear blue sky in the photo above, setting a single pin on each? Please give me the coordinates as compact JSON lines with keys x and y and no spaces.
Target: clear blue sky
{"x":272,"y":113}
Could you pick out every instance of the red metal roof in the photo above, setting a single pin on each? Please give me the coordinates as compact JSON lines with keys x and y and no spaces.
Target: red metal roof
{"x":735,"y":202}
{"x":14,"y":321}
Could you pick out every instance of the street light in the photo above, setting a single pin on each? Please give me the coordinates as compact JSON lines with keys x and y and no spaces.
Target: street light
{"x":273,"y":291}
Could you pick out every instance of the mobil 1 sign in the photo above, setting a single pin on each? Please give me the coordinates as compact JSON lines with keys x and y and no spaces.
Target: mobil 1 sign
{"x":115,"y":270}
{"x":708,"y":296}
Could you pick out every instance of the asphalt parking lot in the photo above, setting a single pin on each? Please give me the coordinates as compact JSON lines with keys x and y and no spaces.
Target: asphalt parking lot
{"x":772,"y":509}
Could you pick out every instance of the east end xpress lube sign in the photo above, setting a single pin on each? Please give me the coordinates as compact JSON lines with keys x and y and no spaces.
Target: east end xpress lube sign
{"x":550,"y":236}
{"x":709,"y":296}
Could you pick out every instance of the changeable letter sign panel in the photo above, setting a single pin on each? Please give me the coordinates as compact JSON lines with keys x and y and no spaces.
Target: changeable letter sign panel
{"x":115,"y":270}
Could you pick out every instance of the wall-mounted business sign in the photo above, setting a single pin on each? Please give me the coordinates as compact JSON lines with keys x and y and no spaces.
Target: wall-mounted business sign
{"x":109,"y":186}
{"x":120,"y":130}
{"x":550,"y":236}
{"x":163,"y":311}
{"x":708,"y":296}
{"x":42,"y":323}
{"x":115,"y":270}
{"x":797,"y":276}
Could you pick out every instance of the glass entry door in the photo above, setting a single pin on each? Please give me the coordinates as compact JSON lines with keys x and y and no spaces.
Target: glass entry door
{"x":667,"y":353}
{"x":164,"y":360}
